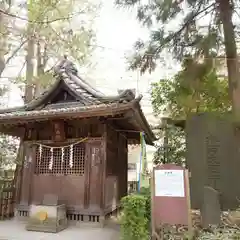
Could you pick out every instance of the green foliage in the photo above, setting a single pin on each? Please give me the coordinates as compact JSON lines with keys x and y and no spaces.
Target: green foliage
{"x":56,"y":38}
{"x":64,"y":35}
{"x":176,"y":149}
{"x":145,"y":191}
{"x":5,"y":44}
{"x":8,"y":145}
{"x":56,"y":28}
{"x":196,"y":88}
{"x":59,"y":27}
{"x":136,"y":215}
{"x":186,"y":93}
{"x":8,"y":151}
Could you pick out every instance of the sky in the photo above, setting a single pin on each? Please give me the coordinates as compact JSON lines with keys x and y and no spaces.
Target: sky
{"x":116,"y":31}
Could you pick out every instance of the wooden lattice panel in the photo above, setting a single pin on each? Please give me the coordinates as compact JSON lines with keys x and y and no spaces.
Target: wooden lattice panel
{"x":57,"y":166}
{"x":78,"y":160}
{"x":42,"y":160}
{"x":67,"y":160}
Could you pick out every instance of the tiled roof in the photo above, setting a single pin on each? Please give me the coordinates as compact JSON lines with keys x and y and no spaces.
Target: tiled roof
{"x":86,"y":95}
{"x":87,"y":102}
{"x":22,"y":114}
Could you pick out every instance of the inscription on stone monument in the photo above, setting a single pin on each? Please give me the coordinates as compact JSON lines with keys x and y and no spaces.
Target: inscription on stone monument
{"x":213,"y":161}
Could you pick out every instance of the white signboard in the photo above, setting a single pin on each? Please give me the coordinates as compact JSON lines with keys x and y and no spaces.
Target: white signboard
{"x":169,"y":183}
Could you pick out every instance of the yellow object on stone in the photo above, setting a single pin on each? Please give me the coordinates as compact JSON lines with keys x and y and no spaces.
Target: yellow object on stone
{"x":42,"y":216}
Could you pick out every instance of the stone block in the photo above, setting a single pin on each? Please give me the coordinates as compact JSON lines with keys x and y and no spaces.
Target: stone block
{"x":211,"y":210}
{"x":45,"y":218}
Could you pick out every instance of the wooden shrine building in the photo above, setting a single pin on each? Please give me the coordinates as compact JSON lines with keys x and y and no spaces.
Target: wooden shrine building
{"x":74,"y":145}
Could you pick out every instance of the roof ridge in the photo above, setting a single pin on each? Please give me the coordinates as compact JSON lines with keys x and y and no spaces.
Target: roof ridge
{"x":68,"y":67}
{"x":78,"y":80}
{"x":127,"y":94}
{"x":66,"y":72}
{"x":96,"y":90}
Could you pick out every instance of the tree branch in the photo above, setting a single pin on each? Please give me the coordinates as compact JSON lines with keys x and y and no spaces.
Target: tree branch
{"x":41,"y":22}
{"x":172,"y":36}
{"x":15,"y":52}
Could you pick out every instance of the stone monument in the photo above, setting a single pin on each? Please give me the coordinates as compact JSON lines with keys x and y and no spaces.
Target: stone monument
{"x":212,"y":157}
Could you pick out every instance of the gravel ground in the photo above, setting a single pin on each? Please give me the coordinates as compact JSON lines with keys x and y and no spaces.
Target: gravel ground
{"x":13,"y":230}
{"x":227,"y":230}
{"x":221,"y":234}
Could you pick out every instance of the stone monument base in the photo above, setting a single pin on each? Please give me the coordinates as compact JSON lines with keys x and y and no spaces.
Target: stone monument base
{"x":45,"y":218}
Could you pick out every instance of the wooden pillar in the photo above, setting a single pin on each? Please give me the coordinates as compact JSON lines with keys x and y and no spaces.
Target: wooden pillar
{"x":28,"y":171}
{"x":87,"y":175}
{"x":32,"y":171}
{"x":125,"y":166}
{"x":18,"y":173}
{"x":93,"y":181}
{"x":104,"y":166}
{"x":120,"y":169}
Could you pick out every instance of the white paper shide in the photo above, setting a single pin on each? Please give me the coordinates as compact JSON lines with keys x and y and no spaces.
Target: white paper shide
{"x":169,"y":183}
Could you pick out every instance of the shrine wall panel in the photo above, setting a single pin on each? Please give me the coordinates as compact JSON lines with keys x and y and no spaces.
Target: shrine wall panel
{"x":111,"y":195}
{"x":69,"y":189}
{"x":72,"y":190}
{"x":45,"y":184}
{"x":78,"y":128}
{"x":60,"y":170}
{"x":116,"y":166}
{"x":84,"y":128}
{"x":112,"y":152}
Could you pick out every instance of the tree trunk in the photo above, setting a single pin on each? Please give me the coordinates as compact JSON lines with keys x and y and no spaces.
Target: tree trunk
{"x":226,"y":12}
{"x":41,"y":64}
{"x":40,"y":71}
{"x":30,"y":54}
{"x":2,"y":39}
{"x":29,"y":87}
{"x":29,"y":70}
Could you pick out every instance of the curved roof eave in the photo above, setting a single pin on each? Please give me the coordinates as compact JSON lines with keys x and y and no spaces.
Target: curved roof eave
{"x":67,"y":74}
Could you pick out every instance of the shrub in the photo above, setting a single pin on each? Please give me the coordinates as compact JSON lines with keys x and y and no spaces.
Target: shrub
{"x":136,"y":217}
{"x":147,"y":194}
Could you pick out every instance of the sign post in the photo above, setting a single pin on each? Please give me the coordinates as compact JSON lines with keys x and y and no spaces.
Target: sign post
{"x":170,"y":198}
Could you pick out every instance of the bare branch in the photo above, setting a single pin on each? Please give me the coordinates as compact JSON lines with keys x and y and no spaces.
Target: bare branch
{"x":41,"y":22}
{"x":16,"y":51}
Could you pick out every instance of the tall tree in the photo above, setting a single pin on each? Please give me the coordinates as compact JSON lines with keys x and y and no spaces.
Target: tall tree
{"x":30,"y":51}
{"x":8,"y":145}
{"x":178,"y":96}
{"x":178,"y":99}
{"x":8,"y":33}
{"x":51,"y":33}
{"x":191,"y":39}
{"x":48,"y":33}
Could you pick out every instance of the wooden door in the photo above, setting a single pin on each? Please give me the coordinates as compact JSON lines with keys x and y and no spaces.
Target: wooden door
{"x":94,"y":178}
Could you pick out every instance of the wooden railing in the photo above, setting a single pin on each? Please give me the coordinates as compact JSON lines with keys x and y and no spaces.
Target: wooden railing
{"x":7,"y":190}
